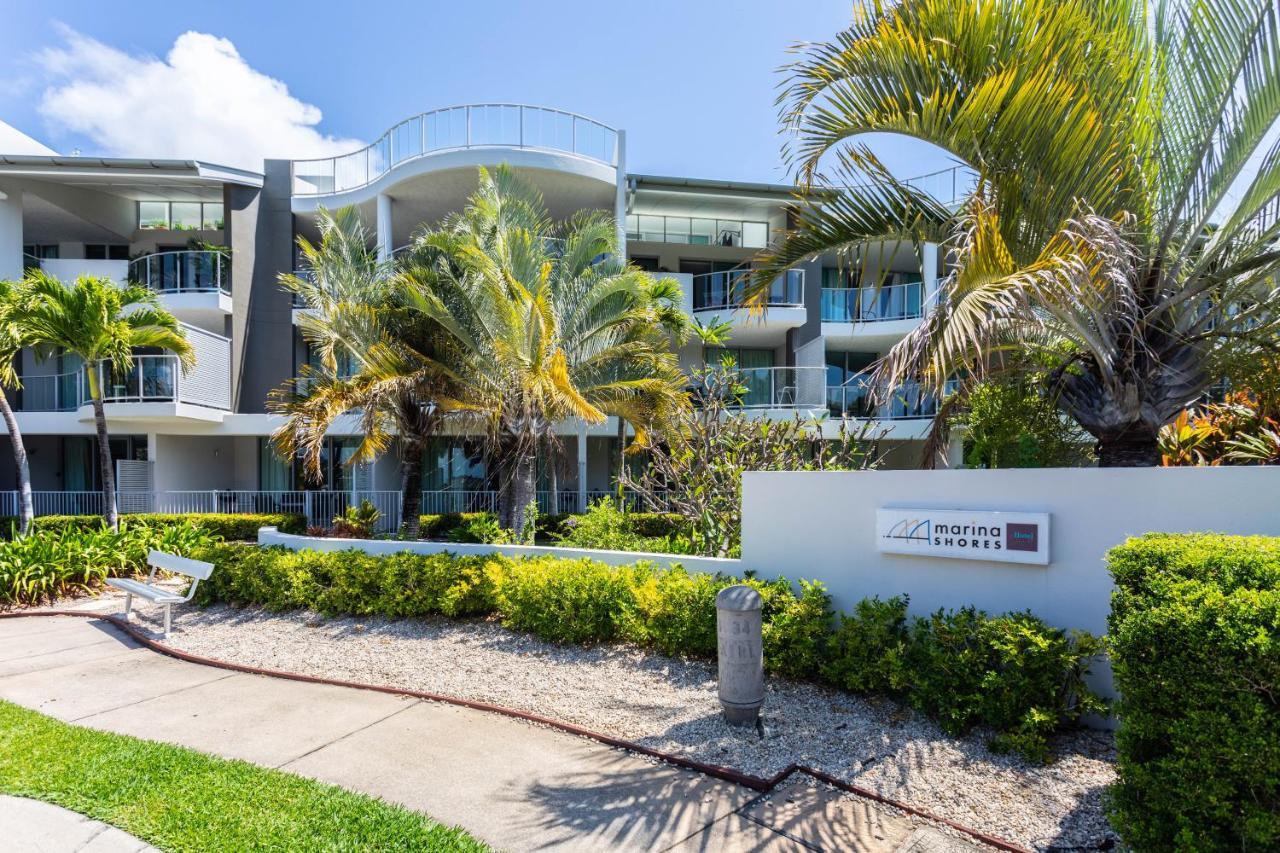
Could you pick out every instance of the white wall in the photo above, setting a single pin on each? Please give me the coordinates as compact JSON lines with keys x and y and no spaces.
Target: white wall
{"x":271,"y":536}
{"x":821,"y":525}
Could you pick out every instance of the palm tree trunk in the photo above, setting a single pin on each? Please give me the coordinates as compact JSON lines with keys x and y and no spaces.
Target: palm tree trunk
{"x":524,"y":485}
{"x":22,"y":468}
{"x":104,"y":463}
{"x":411,"y":490}
{"x":1135,"y":447}
{"x":553,"y":474}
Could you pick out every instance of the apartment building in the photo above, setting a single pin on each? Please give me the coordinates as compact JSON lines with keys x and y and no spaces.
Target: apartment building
{"x":212,"y":241}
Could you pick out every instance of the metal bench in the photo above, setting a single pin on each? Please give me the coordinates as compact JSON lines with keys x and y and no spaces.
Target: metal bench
{"x":194,"y":569}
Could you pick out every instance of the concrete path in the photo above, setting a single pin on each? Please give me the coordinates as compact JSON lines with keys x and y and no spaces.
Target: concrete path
{"x":517,"y":786}
{"x":38,"y":827}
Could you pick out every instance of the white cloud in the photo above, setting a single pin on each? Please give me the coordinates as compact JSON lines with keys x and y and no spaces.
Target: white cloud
{"x":202,"y":101}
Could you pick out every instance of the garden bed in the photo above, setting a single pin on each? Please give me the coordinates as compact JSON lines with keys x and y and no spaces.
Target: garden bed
{"x":671,"y":705}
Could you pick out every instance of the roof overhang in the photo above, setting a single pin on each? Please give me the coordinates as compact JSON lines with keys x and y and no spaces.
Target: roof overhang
{"x":124,"y":170}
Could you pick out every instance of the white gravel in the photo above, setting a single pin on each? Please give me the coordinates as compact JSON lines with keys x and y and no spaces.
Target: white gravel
{"x":671,"y":705}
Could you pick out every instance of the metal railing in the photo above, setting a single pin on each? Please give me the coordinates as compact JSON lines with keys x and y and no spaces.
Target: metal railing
{"x":778,"y":387}
{"x":697,"y":230}
{"x":471,"y":126}
{"x":319,"y":506}
{"x":727,"y":289}
{"x":153,"y":379}
{"x":855,"y":399}
{"x":872,"y":304}
{"x":948,"y":186}
{"x":187,"y":271}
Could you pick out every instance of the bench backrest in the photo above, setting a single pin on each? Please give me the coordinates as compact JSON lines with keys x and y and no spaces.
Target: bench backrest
{"x":182,"y":565}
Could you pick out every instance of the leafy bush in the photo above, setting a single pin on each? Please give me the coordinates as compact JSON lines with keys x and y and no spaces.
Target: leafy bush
{"x":1195,"y":646}
{"x":606,"y":526}
{"x":480,"y":528}
{"x":230,"y":526}
{"x":67,"y":561}
{"x":868,"y":652}
{"x":357,"y":522}
{"x":1012,"y":672}
{"x":964,"y":668}
{"x":570,"y":601}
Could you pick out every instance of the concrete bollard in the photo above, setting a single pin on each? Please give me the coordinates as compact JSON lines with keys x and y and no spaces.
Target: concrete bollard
{"x":741,"y":648}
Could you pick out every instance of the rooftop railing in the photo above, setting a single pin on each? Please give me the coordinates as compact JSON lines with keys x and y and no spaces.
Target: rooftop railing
{"x":872,"y":304}
{"x":187,"y":271}
{"x":472,"y":126}
{"x":727,"y":290}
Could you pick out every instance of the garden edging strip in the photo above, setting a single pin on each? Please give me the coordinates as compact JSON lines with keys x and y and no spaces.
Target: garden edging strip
{"x":728,"y":774}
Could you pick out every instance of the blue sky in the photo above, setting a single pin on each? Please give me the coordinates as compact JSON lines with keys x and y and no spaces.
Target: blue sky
{"x":692,"y":81}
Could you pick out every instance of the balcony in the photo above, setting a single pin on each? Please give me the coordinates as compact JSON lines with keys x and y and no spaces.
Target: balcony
{"x":458,"y":129}
{"x":697,"y":231}
{"x":720,"y":296}
{"x":856,"y":399}
{"x":193,"y":284}
{"x":156,"y":387}
{"x":871,"y":318}
{"x":784,"y":389}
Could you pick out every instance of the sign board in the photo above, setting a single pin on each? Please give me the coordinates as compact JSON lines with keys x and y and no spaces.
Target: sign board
{"x":1005,"y":537}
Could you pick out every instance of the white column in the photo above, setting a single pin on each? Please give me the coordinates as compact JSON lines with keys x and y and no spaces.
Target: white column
{"x":384,"y":227}
{"x":10,"y":233}
{"x":620,"y":199}
{"x":582,"y":466}
{"x":929,"y":256}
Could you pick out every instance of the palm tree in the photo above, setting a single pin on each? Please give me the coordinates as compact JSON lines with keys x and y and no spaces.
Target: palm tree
{"x":534,"y":323}
{"x":102,"y":323}
{"x":13,"y":337}
{"x":1125,"y":215}
{"x":365,"y":342}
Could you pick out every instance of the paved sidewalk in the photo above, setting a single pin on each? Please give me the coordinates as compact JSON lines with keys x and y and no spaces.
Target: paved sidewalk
{"x":516,"y":785}
{"x":37,"y":827}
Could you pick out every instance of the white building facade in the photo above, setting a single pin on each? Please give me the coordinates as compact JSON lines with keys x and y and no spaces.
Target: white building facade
{"x":212,"y":241}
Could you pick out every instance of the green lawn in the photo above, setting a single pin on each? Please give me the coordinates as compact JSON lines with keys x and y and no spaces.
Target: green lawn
{"x":179,"y":799}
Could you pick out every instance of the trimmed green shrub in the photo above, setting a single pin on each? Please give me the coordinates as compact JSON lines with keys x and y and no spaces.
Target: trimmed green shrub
{"x":964,"y":668}
{"x":867,"y":653}
{"x":440,"y":526}
{"x":1194,"y":635}
{"x":232,"y":527}
{"x":1012,"y":672}
{"x":569,"y":601}
{"x":606,"y":526}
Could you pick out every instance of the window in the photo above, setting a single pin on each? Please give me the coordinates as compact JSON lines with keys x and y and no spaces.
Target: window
{"x":153,"y":214}
{"x":42,"y":251}
{"x":180,"y":215}
{"x":184,"y":216}
{"x":211,"y":219}
{"x":106,"y":252}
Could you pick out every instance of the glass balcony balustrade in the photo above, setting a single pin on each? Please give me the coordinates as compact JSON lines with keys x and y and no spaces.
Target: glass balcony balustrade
{"x":697,"y":231}
{"x":871,"y":304}
{"x":473,"y":126}
{"x":191,"y":271}
{"x":727,"y":290}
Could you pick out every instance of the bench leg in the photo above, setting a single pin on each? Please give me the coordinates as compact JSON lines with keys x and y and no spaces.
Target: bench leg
{"x":128,"y":605}
{"x":168,"y":619}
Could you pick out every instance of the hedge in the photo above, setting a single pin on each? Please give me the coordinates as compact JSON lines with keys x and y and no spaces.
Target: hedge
{"x":1195,"y":646}
{"x":964,"y":668}
{"x":232,"y":527}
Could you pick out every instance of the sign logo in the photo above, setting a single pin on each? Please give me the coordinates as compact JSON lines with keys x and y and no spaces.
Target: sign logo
{"x":1021,"y":537}
{"x":1006,"y":537}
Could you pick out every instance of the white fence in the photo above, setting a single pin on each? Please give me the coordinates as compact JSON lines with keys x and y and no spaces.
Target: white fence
{"x":319,"y":507}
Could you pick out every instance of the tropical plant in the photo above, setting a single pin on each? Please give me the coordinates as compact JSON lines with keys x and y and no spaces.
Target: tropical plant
{"x":1010,"y":422}
{"x":536,"y":322}
{"x":357,"y":328}
{"x":696,"y":471}
{"x":13,"y":337}
{"x":1116,"y":219}
{"x":357,"y":522}
{"x":102,"y":323}
{"x":1239,"y":430}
